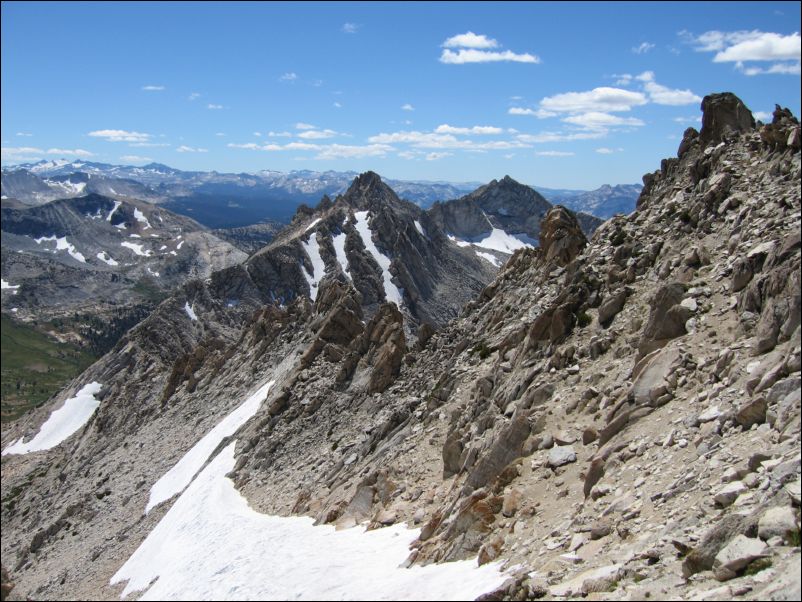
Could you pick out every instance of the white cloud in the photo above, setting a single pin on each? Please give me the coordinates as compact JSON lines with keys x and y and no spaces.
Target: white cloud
{"x":688,"y":119}
{"x":662,"y":95}
{"x":763,"y":47}
{"x":317,"y":134}
{"x":559,"y":136}
{"x":258,"y":134}
{"x":553,"y":153}
{"x":19,"y":152}
{"x":539,"y":113}
{"x":193,"y":96}
{"x":743,"y":46}
{"x":477,"y":129}
{"x":247,"y":145}
{"x":26,"y":134}
{"x":440,"y":141}
{"x":135,"y":159}
{"x":470,"y":40}
{"x":337,"y":105}
{"x":120,"y":136}
{"x":436,"y":156}
{"x":470,"y":55}
{"x":622,"y":79}
{"x":643,"y":48}
{"x":602,"y":99}
{"x":301,"y":146}
{"x":407,"y":107}
{"x":153,"y":88}
{"x":148,"y":144}
{"x":342,"y":151}
{"x":776,"y":68}
{"x":289,"y":77}
{"x":350,"y":28}
{"x":279,"y":134}
{"x":509,"y":155}
{"x":77,"y":152}
{"x":305,"y":126}
{"x":189,"y":149}
{"x":408,"y":154}
{"x":214,"y":107}
{"x":763,"y":116}
{"x":220,"y":134}
{"x":596,"y":120}
{"x":608,"y":151}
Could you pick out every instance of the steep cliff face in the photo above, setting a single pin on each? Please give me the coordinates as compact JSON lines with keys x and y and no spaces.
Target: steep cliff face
{"x":615,"y":415}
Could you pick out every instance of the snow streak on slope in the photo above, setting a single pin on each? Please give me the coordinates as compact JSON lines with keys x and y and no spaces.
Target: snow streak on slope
{"x":190,"y":312}
{"x":180,"y":475}
{"x":13,"y":287}
{"x":140,"y":217}
{"x":113,"y":209}
{"x":62,"y":245}
{"x":499,"y":240}
{"x":391,"y":291}
{"x":212,"y":546}
{"x":137,"y":249}
{"x":339,"y":248}
{"x":102,"y":256}
{"x":62,"y":423}
{"x":312,"y":249}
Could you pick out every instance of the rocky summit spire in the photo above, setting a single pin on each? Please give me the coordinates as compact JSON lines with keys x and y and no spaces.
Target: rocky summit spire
{"x":722,"y":114}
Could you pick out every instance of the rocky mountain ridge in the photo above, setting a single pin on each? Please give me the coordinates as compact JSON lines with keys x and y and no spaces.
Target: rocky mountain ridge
{"x":617,"y":417}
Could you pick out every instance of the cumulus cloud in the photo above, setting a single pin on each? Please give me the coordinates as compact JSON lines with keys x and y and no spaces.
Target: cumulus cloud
{"x":290,"y":76}
{"x":436,"y":156}
{"x":477,"y":129}
{"x":350,"y":28}
{"x":438,"y":141}
{"x":120,"y":136}
{"x":66,"y":152}
{"x":740,"y":47}
{"x":608,"y":151}
{"x":135,"y":159}
{"x":20,"y":152}
{"x":325,"y":151}
{"x":539,"y":113}
{"x":596,"y":120}
{"x":470,"y":55}
{"x":153,"y":88}
{"x":470,"y":40}
{"x":317,"y":134}
{"x":279,"y":134}
{"x":642,"y":48}
{"x":189,"y":149}
{"x":560,"y":136}
{"x":148,"y":144}
{"x":407,"y":107}
{"x":762,"y":116}
{"x":553,"y":153}
{"x":214,"y":107}
{"x":305,"y":126}
{"x":473,"y":48}
{"x":602,"y":99}
{"x":337,"y":105}
{"x":193,"y":96}
{"x":26,"y":134}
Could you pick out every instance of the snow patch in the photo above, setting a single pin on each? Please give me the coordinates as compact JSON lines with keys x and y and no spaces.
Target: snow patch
{"x":313,"y":224}
{"x":121,"y":226}
{"x":102,"y":256}
{"x":62,"y":245}
{"x":489,"y":257}
{"x":419,"y":228}
{"x":140,"y":217}
{"x":113,"y":209}
{"x":190,"y":312}
{"x":134,"y":236}
{"x":180,"y":475}
{"x":391,"y":291}
{"x":62,"y":423}
{"x":312,"y":249}
{"x":178,"y":248}
{"x":460,"y":243}
{"x":211,"y":545}
{"x":499,"y":240}
{"x":136,"y":249}
{"x":6,"y":286}
{"x":339,"y":249}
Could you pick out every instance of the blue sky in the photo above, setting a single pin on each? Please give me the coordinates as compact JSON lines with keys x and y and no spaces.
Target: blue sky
{"x":568,"y":95}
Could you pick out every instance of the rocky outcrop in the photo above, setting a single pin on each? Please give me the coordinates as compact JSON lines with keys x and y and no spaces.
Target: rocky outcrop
{"x":561,"y":238}
{"x":723,"y":116}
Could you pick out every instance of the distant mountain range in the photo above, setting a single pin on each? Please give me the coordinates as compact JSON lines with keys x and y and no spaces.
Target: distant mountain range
{"x":225,"y":200}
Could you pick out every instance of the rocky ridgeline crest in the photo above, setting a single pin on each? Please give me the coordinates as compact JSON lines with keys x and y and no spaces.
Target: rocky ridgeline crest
{"x":617,"y":416}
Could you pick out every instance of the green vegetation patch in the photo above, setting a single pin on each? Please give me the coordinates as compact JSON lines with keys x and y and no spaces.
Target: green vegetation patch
{"x":34,"y":367}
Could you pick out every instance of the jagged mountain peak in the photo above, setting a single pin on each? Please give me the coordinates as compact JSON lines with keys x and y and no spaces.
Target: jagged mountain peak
{"x":724,"y":114}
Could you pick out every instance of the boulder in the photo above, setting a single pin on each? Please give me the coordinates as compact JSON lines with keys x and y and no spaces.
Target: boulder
{"x":561,"y":455}
{"x":777,"y":522}
{"x":723,"y":114}
{"x":736,"y":556}
{"x":561,"y":238}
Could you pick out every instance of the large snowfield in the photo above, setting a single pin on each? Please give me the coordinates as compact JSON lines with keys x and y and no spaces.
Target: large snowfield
{"x":180,"y":475}
{"x":212,"y":546}
{"x":61,"y":423}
